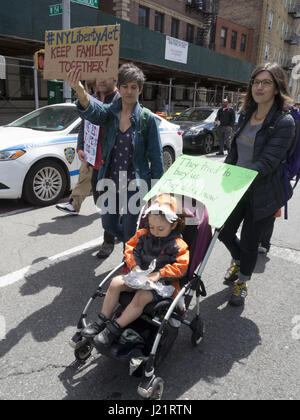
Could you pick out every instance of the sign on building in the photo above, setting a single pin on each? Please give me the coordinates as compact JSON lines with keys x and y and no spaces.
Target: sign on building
{"x":94,"y":50}
{"x":176,"y":50}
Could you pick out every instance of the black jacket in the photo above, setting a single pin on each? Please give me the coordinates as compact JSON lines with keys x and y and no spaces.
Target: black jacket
{"x":267,"y":193}
{"x":226,"y":117}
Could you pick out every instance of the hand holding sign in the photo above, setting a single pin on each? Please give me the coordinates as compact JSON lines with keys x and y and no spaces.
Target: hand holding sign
{"x":73,"y":80}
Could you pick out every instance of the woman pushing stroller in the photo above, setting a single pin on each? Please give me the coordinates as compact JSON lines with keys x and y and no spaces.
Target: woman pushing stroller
{"x":160,"y":240}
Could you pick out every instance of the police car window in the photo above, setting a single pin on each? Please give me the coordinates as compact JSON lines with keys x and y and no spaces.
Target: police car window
{"x":48,"y":119}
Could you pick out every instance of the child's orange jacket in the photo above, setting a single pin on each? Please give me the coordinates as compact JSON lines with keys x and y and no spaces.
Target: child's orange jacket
{"x":171,"y":254}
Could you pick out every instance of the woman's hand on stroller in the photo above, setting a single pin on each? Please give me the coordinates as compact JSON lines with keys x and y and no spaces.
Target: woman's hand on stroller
{"x":154,"y":277}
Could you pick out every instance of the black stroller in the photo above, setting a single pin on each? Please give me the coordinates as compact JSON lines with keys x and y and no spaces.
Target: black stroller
{"x":158,"y":326}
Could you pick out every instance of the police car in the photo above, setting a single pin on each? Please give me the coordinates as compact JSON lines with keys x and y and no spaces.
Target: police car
{"x":38,"y":159}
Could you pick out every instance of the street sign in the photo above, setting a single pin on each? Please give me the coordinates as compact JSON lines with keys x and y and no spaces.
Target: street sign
{"x":91,"y":3}
{"x":55,"y":9}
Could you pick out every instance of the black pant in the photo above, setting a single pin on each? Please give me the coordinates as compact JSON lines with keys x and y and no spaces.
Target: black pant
{"x":245,"y":249}
{"x":108,"y":237}
{"x":265,"y":238}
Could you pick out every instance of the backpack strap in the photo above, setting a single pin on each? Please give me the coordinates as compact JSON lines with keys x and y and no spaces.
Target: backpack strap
{"x":145,"y":115}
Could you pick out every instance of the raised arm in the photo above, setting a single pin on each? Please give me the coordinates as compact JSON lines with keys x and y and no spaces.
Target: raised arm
{"x":73,"y":80}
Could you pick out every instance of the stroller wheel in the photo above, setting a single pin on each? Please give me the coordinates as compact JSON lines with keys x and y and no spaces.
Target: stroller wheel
{"x":153,"y":390}
{"x":198,"y":329}
{"x":83,"y":352}
{"x":157,"y":389}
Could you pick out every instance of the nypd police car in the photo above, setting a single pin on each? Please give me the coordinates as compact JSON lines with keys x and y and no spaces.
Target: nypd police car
{"x":38,"y":159}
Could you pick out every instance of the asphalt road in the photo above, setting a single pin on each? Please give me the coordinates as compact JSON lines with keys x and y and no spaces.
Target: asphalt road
{"x":48,"y":270}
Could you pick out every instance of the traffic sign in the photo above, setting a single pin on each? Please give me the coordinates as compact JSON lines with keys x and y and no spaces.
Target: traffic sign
{"x":55,"y":9}
{"x":91,"y":3}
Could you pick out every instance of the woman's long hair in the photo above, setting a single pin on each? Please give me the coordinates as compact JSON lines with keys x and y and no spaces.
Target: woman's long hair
{"x":279,"y":77}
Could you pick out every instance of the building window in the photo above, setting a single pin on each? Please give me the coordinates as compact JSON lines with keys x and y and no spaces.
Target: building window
{"x":223,"y":37}
{"x":271,"y":16}
{"x":159,"y":22}
{"x":175,"y":28}
{"x":200,"y":37}
{"x":267,"y":50}
{"x":190,"y":33}
{"x":282,"y":30}
{"x":144,"y":16}
{"x":243,"y":42}
{"x":233,"y":40}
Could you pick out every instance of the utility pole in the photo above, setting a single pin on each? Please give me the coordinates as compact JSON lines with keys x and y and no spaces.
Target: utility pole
{"x":66,"y":24}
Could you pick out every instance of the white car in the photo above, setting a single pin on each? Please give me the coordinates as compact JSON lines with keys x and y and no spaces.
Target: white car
{"x":38,"y":159}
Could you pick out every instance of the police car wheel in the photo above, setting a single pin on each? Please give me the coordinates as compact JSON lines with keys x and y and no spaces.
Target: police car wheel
{"x":168,"y":157}
{"x":45,"y":183}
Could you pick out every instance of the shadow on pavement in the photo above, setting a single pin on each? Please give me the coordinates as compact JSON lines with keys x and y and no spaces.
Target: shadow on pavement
{"x":65,"y":224}
{"x":229,"y":339}
{"x":76,"y":281}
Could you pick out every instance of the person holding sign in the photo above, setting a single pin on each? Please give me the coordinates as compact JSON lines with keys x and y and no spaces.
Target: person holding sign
{"x":131,"y":159}
{"x":256,"y":147}
{"x":89,"y":152}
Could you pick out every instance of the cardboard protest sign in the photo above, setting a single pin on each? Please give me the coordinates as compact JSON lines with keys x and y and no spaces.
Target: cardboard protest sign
{"x":217,"y":185}
{"x":94,"y":50}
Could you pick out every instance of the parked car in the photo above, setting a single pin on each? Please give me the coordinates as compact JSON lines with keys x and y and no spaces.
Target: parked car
{"x":38,"y":159}
{"x":198,"y":129}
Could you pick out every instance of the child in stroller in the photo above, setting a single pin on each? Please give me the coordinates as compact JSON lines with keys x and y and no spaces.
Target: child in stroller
{"x":161,"y":240}
{"x":160,"y":321}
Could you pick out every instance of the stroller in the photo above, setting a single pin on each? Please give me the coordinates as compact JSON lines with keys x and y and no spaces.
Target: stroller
{"x":155,"y":332}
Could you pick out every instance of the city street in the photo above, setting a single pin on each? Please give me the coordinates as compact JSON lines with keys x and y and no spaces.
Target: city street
{"x":48,"y":271}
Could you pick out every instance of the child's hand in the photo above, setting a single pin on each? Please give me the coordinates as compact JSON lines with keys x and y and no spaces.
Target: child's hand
{"x":154,"y":276}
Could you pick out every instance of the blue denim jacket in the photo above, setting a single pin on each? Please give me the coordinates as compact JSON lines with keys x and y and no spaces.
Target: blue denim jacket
{"x":147,"y":157}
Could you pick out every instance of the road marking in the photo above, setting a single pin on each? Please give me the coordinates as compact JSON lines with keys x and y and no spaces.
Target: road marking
{"x":13,"y":212}
{"x":18,"y":275}
{"x":285,"y":253}
{"x":11,"y":278}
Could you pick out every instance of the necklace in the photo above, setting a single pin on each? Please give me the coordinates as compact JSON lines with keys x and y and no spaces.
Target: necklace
{"x":257,"y":118}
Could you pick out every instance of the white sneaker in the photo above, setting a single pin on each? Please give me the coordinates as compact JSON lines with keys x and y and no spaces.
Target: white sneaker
{"x":68,"y":208}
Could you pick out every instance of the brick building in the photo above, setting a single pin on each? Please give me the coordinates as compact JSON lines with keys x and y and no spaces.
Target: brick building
{"x":234,"y":39}
{"x":203,"y":77}
{"x":275,"y":25}
{"x":189,"y":20}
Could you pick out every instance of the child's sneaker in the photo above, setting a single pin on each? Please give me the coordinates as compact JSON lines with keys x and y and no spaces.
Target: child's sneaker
{"x":111,"y":333}
{"x":76,"y":341}
{"x":95,"y":328}
{"x":232,"y":273}
{"x":239,"y":293}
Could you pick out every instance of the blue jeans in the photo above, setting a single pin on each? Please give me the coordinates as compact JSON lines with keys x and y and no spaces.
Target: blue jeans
{"x":121,"y":225}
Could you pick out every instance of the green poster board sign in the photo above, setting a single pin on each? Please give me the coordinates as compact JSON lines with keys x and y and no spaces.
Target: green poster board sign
{"x":217,"y":185}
